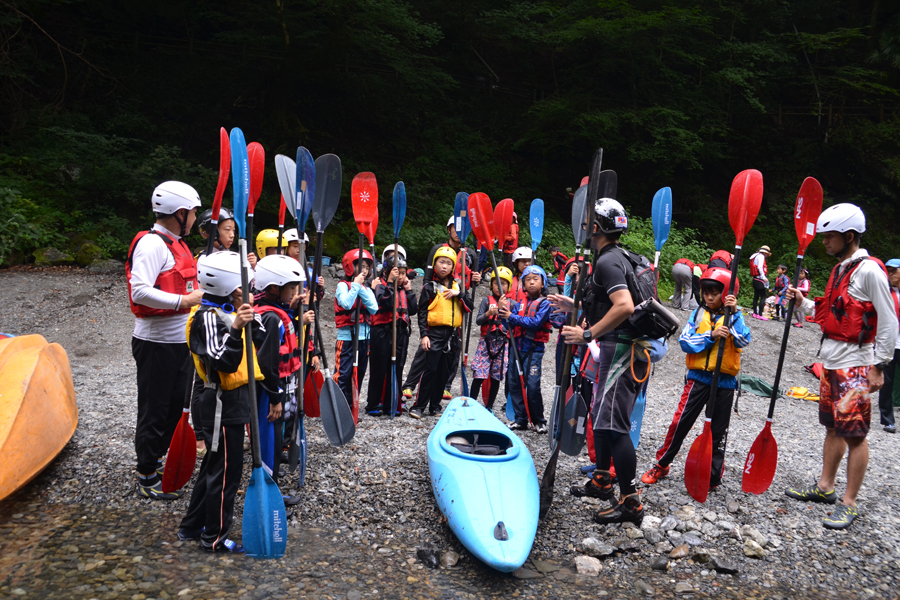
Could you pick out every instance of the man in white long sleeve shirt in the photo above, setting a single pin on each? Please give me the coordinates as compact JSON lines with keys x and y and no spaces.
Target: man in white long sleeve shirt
{"x":162,"y":288}
{"x":859,"y":322}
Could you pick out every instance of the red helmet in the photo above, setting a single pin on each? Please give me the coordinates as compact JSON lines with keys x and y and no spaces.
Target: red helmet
{"x":350,"y":259}
{"x":723,"y":276}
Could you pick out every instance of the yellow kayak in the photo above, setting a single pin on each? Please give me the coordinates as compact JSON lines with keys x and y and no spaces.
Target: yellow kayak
{"x":38,"y":414}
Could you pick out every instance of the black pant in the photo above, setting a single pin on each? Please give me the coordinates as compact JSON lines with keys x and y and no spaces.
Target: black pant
{"x":379,"y":395}
{"x":418,"y":366}
{"x":164,"y":373}
{"x":886,"y":395}
{"x":438,"y":364}
{"x":759,"y":296}
{"x":212,"y":500}
{"x":343,"y":367}
{"x":695,"y":288}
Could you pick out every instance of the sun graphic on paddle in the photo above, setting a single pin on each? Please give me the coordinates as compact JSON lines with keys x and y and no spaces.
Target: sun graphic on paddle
{"x":364,"y":197}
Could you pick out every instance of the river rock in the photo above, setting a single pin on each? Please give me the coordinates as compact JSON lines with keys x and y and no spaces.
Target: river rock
{"x":110,"y":265}
{"x":643,"y":588}
{"x":700,"y":555}
{"x":587,"y":565}
{"x":710,"y":516}
{"x":88,"y":254}
{"x":660,"y":563}
{"x":685,"y":513}
{"x":691,"y":539}
{"x":449,"y":558}
{"x":710,"y":530}
{"x":680,"y":552}
{"x":668,"y":523}
{"x":754,"y":534}
{"x":733,"y":506}
{"x":46,"y":257}
{"x":653,"y":536}
{"x":429,"y":557}
{"x":684,"y":587}
{"x":635,"y":534}
{"x":753,"y":550}
{"x":594,"y":547}
{"x":722,"y":565}
{"x":650,"y":522}
{"x":663,"y":547}
{"x":725,"y":525}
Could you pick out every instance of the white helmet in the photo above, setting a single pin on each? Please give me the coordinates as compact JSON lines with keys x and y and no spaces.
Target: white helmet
{"x":290,"y":235}
{"x":841,"y":218}
{"x":170,"y":196}
{"x":520,"y":253}
{"x":400,"y":250}
{"x":219,"y":273}
{"x":452,"y":221}
{"x":279,"y":270}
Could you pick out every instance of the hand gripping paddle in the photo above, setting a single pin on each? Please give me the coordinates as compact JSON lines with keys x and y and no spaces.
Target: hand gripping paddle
{"x":762,"y":460}
{"x":224,"y":166}
{"x":264,"y":528}
{"x":364,"y":198}
{"x":662,"y":221}
{"x":743,"y":207}
{"x":399,"y":214}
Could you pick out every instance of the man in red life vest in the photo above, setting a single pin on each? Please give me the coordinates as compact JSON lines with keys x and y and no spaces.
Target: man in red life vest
{"x":859,"y":325}
{"x":162,"y":288}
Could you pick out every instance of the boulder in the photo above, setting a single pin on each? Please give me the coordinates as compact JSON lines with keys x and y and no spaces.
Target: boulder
{"x":46,"y":257}
{"x":88,"y":254}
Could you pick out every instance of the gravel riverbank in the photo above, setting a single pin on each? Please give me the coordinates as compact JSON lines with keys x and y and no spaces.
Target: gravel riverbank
{"x":81,"y":530}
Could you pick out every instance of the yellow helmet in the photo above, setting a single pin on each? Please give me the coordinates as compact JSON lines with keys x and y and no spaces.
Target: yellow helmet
{"x":505,"y":274}
{"x":265,"y":239}
{"x":444,"y":252}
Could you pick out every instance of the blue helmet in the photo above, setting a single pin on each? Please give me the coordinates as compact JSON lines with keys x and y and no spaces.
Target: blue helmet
{"x":535,"y":270}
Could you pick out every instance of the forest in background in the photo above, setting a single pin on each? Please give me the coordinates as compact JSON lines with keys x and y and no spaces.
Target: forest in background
{"x":101,"y":100}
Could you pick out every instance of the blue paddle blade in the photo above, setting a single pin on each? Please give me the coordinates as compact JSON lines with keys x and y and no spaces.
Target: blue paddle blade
{"x":264,"y":527}
{"x":461,"y":216}
{"x":637,"y":416}
{"x":240,"y":180}
{"x":536,"y":223}
{"x":399,"y":207}
{"x":662,"y":216}
{"x":510,"y":411}
{"x":306,"y":186}
{"x":301,"y":471}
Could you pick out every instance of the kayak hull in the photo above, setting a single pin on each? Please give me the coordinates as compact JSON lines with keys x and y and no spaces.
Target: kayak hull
{"x":38,"y":414}
{"x":491,"y":501}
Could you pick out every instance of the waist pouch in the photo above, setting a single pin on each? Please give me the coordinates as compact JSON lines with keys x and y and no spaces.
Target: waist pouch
{"x":653,"y":320}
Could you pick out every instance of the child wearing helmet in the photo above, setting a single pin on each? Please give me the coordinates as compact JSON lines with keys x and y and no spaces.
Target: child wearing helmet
{"x":393,"y":274}
{"x":215,"y":338}
{"x":223,"y":234}
{"x":521,"y":259}
{"x":279,"y":278}
{"x":439,"y":328}
{"x":353,"y":295}
{"x":492,"y":355}
{"x":700,"y":341}
{"x":530,"y":319}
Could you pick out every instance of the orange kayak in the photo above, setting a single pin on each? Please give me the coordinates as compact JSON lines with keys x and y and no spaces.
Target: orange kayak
{"x":38,"y":414}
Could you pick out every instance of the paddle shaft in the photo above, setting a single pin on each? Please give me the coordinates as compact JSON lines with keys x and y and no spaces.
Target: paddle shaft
{"x":393,"y":407}
{"x":726,"y":322}
{"x":467,"y":318}
{"x":784,"y":338}
{"x":248,"y":349}
{"x":356,"y":313}
{"x":250,"y":227}
{"x":515,"y":351}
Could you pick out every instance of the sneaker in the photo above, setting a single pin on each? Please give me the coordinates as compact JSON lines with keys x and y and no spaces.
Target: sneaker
{"x":160,"y":467}
{"x":655,"y":473}
{"x":187,"y":535}
{"x":842,"y":518}
{"x":225,"y":546}
{"x":800,"y":325}
{"x":447,"y":395}
{"x":540,"y":428}
{"x":291,"y":500}
{"x":628,"y":508}
{"x":374,"y":413}
{"x":598,"y":486}
{"x":811,"y":494}
{"x":890,"y":428}
{"x":155,"y":492}
{"x":762,"y":318}
{"x":416,"y":413}
{"x":407,"y":393}
{"x":517,"y":426}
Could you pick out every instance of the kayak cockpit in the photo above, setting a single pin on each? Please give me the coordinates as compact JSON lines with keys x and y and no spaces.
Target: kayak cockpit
{"x":480,"y":445}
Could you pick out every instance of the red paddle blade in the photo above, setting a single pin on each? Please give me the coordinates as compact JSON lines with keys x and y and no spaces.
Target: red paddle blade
{"x":584,"y":180}
{"x":698,"y":465}
{"x":311,"y":394}
{"x":181,"y":458}
{"x":503,"y":216}
{"x":224,"y":171}
{"x":256,"y":156}
{"x":744,"y":201}
{"x":281,"y":210}
{"x":372,"y":228}
{"x":806,"y":212}
{"x":762,"y":460}
{"x":364,"y":196}
{"x":481,"y":218}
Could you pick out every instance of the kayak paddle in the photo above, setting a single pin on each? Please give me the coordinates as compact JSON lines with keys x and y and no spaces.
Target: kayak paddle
{"x":662,"y":221}
{"x":264,"y":528}
{"x":762,"y":460}
{"x":182,"y":455}
{"x":224,"y":166}
{"x":461,"y":224}
{"x":286,"y":171}
{"x":364,"y":199}
{"x":536,"y":224}
{"x":256,"y":155}
{"x":743,"y":207}
{"x":399,"y":213}
{"x":281,"y":208}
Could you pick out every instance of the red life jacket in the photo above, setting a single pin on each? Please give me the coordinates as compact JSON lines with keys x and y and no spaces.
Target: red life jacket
{"x":841,"y":316}
{"x":754,"y":268}
{"x":517,"y":291}
{"x":289,"y":350}
{"x":685,"y":261}
{"x":180,"y":279}
{"x":720,"y":258}
{"x":384,"y":316}
{"x":561,"y":279}
{"x":344,"y":318}
{"x":529,"y":308}
{"x":494,"y":324}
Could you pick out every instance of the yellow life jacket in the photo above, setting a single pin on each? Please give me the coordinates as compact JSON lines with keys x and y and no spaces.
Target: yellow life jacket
{"x":706,"y":361}
{"x":228,"y":381}
{"x":445,"y":312}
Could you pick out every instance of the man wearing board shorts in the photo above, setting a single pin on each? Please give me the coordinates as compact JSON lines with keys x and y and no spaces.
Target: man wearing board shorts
{"x":858,"y":317}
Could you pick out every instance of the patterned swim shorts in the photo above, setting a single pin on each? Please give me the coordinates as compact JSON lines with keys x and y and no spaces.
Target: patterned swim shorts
{"x":844,"y":401}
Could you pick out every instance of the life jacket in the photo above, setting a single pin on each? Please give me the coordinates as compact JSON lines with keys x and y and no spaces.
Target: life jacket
{"x":720,"y":258}
{"x":344,"y":317}
{"x":289,"y":350}
{"x":561,"y":279}
{"x":754,"y":268}
{"x":384,"y":316}
{"x":228,"y":381}
{"x":517,"y":291}
{"x":706,"y":361}
{"x":445,"y":312}
{"x":841,"y":316}
{"x":685,"y":261}
{"x":529,"y":308}
{"x":494,"y":325}
{"x":559,"y":261}
{"x":180,"y":279}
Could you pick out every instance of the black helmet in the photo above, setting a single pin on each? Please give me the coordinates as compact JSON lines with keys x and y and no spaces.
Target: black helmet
{"x":206,"y":217}
{"x":610,"y":216}
{"x":389,"y":263}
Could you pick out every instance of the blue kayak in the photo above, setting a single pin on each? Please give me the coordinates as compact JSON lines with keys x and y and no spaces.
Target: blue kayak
{"x":485,"y":483}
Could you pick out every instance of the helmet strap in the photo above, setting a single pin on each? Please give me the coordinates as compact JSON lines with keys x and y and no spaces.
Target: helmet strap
{"x":182,"y":222}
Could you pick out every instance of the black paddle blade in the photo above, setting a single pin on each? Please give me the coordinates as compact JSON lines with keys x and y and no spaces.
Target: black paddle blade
{"x":607,"y":185}
{"x":579,"y":212}
{"x":548,"y":482}
{"x":328,"y":190}
{"x":294,"y":449}
{"x":574,"y":425}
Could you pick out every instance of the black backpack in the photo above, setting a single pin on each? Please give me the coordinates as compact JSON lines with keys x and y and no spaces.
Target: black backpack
{"x":650,"y":317}
{"x":642,"y":284}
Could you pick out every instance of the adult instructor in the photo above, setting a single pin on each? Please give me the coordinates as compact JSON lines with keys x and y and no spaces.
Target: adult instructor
{"x":162,"y":288}
{"x":859,"y":323}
